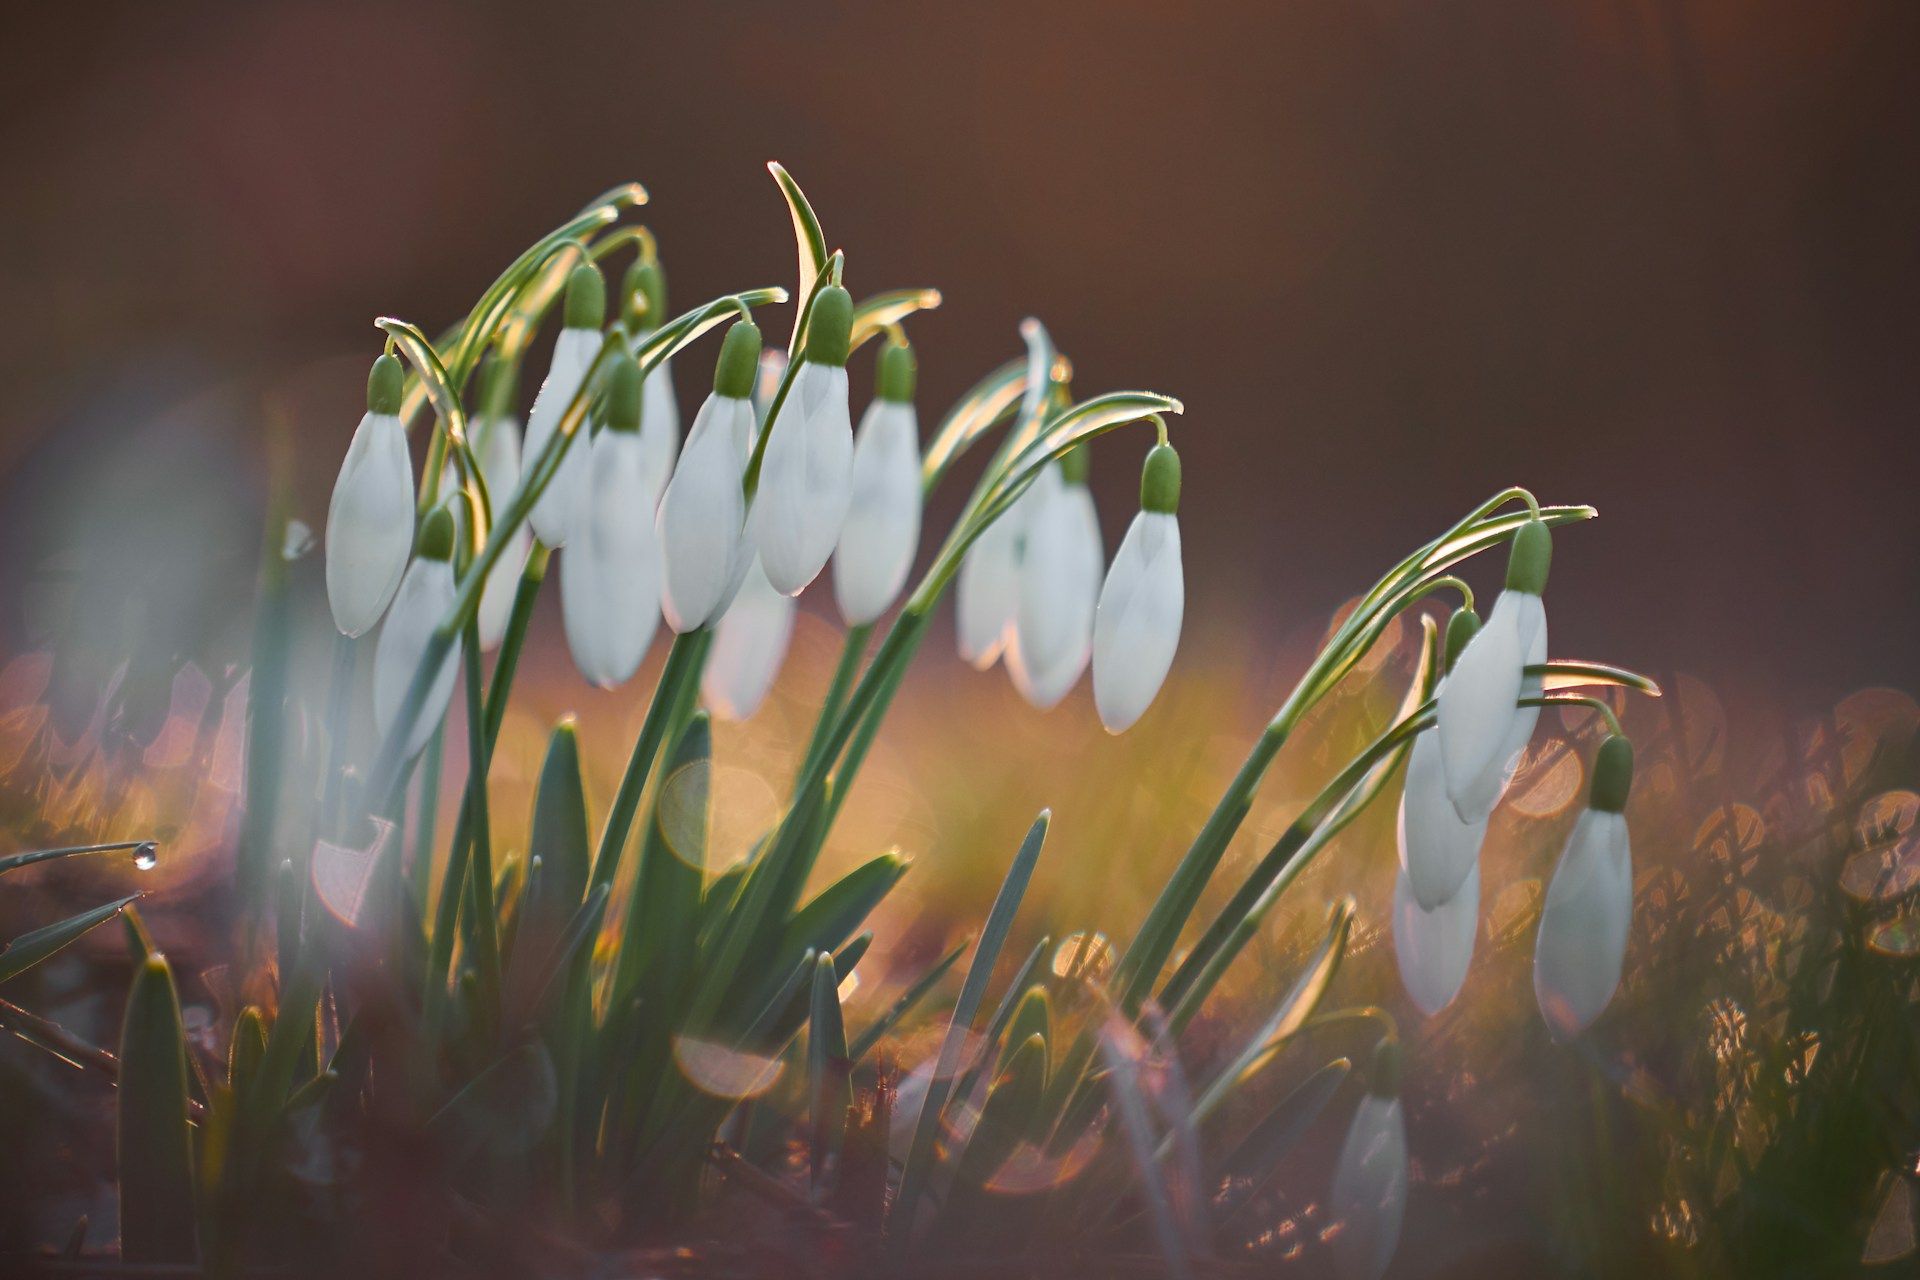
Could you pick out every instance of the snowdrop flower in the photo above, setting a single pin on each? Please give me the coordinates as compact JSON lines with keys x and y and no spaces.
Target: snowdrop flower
{"x":703,"y":543}
{"x":573,"y":354}
{"x":806,"y":469}
{"x":1061,"y":563}
{"x":882,"y":529}
{"x":1136,"y":627}
{"x":1482,"y":730}
{"x":748,"y":647}
{"x":421,"y":605}
{"x":610,"y":571}
{"x":645,"y":294}
{"x":1437,"y":848}
{"x":497,"y":445}
{"x":1434,"y":946}
{"x":987,"y":592}
{"x":370,"y":519}
{"x":1583,"y":927}
{"x":1369,"y":1195}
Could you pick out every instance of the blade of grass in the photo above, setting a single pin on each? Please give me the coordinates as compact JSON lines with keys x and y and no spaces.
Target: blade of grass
{"x":158,"y":1223}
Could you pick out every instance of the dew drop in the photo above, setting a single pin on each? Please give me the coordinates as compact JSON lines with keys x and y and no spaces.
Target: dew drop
{"x":146,"y":854}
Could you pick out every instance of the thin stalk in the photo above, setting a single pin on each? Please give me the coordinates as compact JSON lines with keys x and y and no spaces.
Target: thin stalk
{"x":480,"y":858}
{"x":679,"y":678}
{"x":837,"y":689}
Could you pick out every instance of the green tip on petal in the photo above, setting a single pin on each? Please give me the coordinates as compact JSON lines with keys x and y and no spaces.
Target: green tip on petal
{"x":897,"y":374}
{"x":384,"y":382}
{"x":1160,"y":480}
{"x":1461,"y":627}
{"x":739,"y":365}
{"x":643,"y":294}
{"x":1612,"y":776}
{"x":1532,"y":553}
{"x":435,"y":541}
{"x":830,"y":328}
{"x":586,"y":297}
{"x":1383,"y":1073}
{"x":623,"y":395}
{"x":1075,"y":464}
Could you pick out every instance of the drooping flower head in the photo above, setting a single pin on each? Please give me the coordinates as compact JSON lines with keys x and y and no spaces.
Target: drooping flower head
{"x":370,"y":518}
{"x":496,"y":443}
{"x":1482,"y":728}
{"x":1369,"y":1194}
{"x":1060,"y":569}
{"x":609,"y":571}
{"x":1434,"y":945}
{"x":806,"y":470}
{"x":1437,"y":847}
{"x":573,"y":354}
{"x":882,"y":529}
{"x":749,"y":644}
{"x":1582,"y":944}
{"x":643,"y":296}
{"x":1136,"y":626}
{"x":701,"y":521}
{"x":423,"y":602}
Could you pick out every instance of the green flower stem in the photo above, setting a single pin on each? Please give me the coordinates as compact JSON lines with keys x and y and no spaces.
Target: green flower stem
{"x":836,"y":696}
{"x":525,"y":596}
{"x":339,"y":713}
{"x":429,"y":810}
{"x":672,"y":702}
{"x":13,"y":862}
{"x":480,"y":857}
{"x":450,"y":416}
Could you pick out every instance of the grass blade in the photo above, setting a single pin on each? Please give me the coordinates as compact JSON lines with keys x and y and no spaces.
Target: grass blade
{"x":909,"y":998}
{"x":1252,"y":1164}
{"x":157,"y":1218}
{"x":29,"y":949}
{"x":829,"y":1072}
{"x":1006,"y":903}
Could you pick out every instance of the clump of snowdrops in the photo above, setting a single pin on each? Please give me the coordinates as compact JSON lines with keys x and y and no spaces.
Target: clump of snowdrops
{"x":600,"y":1040}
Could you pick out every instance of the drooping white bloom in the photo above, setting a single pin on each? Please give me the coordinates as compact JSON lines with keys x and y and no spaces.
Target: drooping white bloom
{"x":1369,"y":1194}
{"x":1583,"y":926}
{"x":701,"y":523}
{"x":749,"y":644}
{"x":1136,"y":627}
{"x":370,"y":518}
{"x":1437,"y":850}
{"x":610,"y":571}
{"x":1482,"y":730}
{"x":806,"y":466}
{"x":573,"y":353}
{"x":1435,"y":946}
{"x":425,"y":598}
{"x":1061,"y":566}
{"x":987,"y":592}
{"x":882,"y":529}
{"x":659,"y":430}
{"x":498,"y":448}
{"x":806,"y":479}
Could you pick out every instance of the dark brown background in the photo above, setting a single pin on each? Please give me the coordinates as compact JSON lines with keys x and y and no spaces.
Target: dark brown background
{"x":1655,"y":254}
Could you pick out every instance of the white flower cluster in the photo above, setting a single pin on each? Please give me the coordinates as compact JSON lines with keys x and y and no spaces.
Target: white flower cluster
{"x":726,"y":531}
{"x":1488,"y":706}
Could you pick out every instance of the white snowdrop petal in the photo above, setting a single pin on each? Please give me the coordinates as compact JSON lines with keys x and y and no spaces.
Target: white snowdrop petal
{"x":1061,"y":565}
{"x":1582,"y":943}
{"x":1136,"y":627}
{"x":1476,"y":703}
{"x":422,"y":603}
{"x":369,"y":524}
{"x":806,"y":479}
{"x":1437,"y":849}
{"x":701,"y":517}
{"x":1434,"y":946}
{"x":749,"y":644}
{"x":659,"y":430}
{"x":1369,"y":1193}
{"x":609,"y":572}
{"x":499,"y":455}
{"x":986,"y":593}
{"x":882,"y":529}
{"x":573,"y":353}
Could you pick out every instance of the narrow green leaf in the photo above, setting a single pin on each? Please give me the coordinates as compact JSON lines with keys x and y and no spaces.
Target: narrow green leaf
{"x":29,"y":949}
{"x":157,"y":1218}
{"x":1008,"y":1116}
{"x":849,"y":956}
{"x":1032,"y":1017}
{"x":839,"y":909}
{"x":1006,"y":903}
{"x":987,"y":402}
{"x":246,"y":1049}
{"x":829,"y":1072}
{"x":1252,"y":1164}
{"x":559,"y":832}
{"x":810,"y":243}
{"x":873,"y":315}
{"x":141,"y":851}
{"x":909,"y":999}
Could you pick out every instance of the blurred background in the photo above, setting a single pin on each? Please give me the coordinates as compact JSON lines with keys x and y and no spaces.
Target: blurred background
{"x":1656,"y":255}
